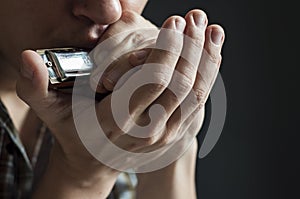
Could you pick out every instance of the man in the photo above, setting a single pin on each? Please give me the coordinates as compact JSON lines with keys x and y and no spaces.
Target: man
{"x":71,"y":171}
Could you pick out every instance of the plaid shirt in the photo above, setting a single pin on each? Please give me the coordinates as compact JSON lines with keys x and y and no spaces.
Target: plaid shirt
{"x":19,"y":175}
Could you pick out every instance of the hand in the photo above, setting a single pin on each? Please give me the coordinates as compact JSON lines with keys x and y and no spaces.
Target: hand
{"x":55,"y":108}
{"x":69,"y":161}
{"x":194,"y":86}
{"x":133,"y":34}
{"x":75,"y":173}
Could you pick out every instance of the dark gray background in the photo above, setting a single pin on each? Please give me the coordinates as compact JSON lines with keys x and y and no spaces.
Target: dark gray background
{"x":245,"y":162}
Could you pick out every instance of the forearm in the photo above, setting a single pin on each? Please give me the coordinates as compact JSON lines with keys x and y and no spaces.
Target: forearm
{"x":62,"y":182}
{"x":176,"y":181}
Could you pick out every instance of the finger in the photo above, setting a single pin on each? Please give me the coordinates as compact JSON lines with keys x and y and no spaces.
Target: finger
{"x":118,"y":68}
{"x":159,"y":66}
{"x":180,"y":84}
{"x":121,"y":67}
{"x":130,"y":33}
{"x":32,"y":85}
{"x":114,"y":51}
{"x":129,"y":21}
{"x":206,"y":75}
{"x":168,"y":151}
{"x":209,"y":64}
{"x":186,"y":69}
{"x":182,"y":80}
{"x":135,"y":95}
{"x":193,"y":122}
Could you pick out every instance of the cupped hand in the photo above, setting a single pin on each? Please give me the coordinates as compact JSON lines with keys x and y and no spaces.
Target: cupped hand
{"x":179,"y":72}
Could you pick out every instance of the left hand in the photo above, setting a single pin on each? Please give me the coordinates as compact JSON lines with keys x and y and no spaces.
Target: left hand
{"x":210,"y":58}
{"x":124,"y":35}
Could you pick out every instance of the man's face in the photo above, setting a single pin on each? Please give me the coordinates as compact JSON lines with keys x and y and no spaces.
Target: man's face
{"x":33,"y":24}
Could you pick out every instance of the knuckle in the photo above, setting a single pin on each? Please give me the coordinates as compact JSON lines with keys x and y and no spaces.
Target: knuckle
{"x":170,"y":40}
{"x":108,"y":83}
{"x":129,"y":17}
{"x":170,"y":54}
{"x":198,"y":97}
{"x":167,"y":139}
{"x":172,"y":97}
{"x":160,"y":81}
{"x":148,"y":141}
{"x":132,"y":146}
{"x":184,"y":82}
{"x":164,"y":141}
{"x":170,"y":134}
{"x":136,"y":38}
{"x":157,"y":88}
{"x":197,"y":41}
{"x":215,"y":58}
{"x":156,"y":139}
{"x":135,"y":20}
{"x":183,"y":87}
{"x":220,"y":61}
{"x":170,"y":44}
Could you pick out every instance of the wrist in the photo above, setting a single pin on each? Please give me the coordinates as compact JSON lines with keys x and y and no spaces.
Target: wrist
{"x":178,"y":178}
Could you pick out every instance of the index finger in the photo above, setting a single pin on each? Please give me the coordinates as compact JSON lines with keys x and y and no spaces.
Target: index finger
{"x":143,"y":87}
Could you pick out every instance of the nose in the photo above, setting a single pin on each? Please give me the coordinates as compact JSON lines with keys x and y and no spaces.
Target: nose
{"x":101,"y":12}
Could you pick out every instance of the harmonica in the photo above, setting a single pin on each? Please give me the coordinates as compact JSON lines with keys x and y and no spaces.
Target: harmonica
{"x":66,"y":64}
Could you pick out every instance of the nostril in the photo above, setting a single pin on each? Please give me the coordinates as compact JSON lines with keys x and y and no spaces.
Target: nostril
{"x":98,"y":11}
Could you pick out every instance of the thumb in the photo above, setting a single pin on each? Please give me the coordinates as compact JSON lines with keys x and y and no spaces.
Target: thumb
{"x":32,"y":84}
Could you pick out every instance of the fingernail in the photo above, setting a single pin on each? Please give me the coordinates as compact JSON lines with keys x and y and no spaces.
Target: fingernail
{"x":140,"y":55}
{"x":216,"y":36}
{"x":199,"y":19}
{"x":179,"y":24}
{"x":26,"y":72}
